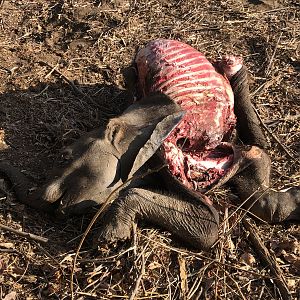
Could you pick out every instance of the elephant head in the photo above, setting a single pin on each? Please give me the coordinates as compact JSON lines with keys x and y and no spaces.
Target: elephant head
{"x":102,"y":160}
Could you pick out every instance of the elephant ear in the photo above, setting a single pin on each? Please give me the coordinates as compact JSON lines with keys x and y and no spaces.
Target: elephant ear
{"x":143,"y":127}
{"x":159,"y":134}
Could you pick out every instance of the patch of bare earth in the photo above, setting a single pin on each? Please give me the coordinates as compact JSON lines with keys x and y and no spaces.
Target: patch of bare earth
{"x":60,"y":75}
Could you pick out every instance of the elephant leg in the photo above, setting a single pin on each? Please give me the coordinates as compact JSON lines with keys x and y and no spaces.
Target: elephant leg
{"x":248,"y":124}
{"x":253,"y":183}
{"x":21,"y":186}
{"x":191,"y":221}
{"x":252,"y":186}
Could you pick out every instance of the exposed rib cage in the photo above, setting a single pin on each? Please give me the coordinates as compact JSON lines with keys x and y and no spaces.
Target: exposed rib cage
{"x":184,"y":74}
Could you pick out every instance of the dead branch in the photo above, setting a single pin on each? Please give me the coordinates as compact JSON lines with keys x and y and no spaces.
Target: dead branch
{"x":264,"y":254}
{"x":25,"y":234}
{"x":138,"y":280}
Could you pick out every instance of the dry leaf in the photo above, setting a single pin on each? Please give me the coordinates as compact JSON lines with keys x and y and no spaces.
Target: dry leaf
{"x":292,"y":259}
{"x":154,"y":265}
{"x":3,"y":144}
{"x":68,"y":258}
{"x":209,"y":282}
{"x":248,"y":259}
{"x":244,"y":267}
{"x":51,"y":289}
{"x":230,"y":245}
{"x":10,"y":296}
{"x":293,"y":246}
{"x":271,"y":3}
{"x":7,"y":245}
{"x":30,"y":278}
{"x":265,"y":4}
{"x":17,"y":270}
{"x":280,"y":261}
{"x":291,"y":283}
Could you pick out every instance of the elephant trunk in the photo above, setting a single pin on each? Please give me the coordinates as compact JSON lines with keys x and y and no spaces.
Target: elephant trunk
{"x":22,"y":185}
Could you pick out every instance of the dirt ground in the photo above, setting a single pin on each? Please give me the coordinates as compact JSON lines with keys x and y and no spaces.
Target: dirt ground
{"x":60,"y":75}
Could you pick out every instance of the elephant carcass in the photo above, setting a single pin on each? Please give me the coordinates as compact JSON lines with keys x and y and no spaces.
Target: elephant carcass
{"x":192,"y":118}
{"x":198,"y":151}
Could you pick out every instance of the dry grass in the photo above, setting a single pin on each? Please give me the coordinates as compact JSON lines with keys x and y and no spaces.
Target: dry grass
{"x":48,"y":46}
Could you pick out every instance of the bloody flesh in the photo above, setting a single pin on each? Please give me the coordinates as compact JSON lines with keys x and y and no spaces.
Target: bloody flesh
{"x":193,"y":151}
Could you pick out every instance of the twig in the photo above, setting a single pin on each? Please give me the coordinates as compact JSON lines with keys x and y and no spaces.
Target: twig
{"x":53,"y":69}
{"x":201,"y":256}
{"x":265,"y":256}
{"x":237,"y":292}
{"x":266,"y":85}
{"x":22,"y":276}
{"x":25,"y":234}
{"x":198,"y":282}
{"x":273,"y":55}
{"x":7,"y":250}
{"x":70,"y":82}
{"x":258,"y":91}
{"x":261,"y":292}
{"x":49,"y":255}
{"x":1,"y":67}
{"x":90,"y":295}
{"x":284,"y":119}
{"x":105,"y":259}
{"x":284,"y":148}
{"x":138,"y":281}
{"x":134,"y":240}
{"x":270,"y":11}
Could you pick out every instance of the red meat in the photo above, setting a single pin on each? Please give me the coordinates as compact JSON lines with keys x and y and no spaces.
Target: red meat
{"x":193,"y":150}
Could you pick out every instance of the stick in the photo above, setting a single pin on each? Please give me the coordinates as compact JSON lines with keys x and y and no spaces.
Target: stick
{"x":283,"y":147}
{"x":183,"y":277}
{"x":137,"y":284}
{"x":25,"y":234}
{"x":275,"y":138}
{"x":70,"y":82}
{"x":266,"y":85}
{"x":265,"y":256}
{"x":287,"y":118}
{"x":273,"y":55}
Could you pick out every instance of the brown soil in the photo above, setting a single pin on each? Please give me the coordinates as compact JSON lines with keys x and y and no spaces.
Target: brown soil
{"x":60,"y":75}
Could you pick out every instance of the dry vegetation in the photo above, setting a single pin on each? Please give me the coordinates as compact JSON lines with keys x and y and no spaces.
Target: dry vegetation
{"x":60,"y":75}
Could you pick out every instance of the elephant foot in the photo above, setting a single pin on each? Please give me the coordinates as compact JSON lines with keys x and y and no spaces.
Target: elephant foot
{"x":252,"y":186}
{"x":117,"y":223}
{"x":112,"y":232}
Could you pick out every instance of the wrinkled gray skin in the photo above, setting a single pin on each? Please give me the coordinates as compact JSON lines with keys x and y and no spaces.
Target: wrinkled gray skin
{"x":103,"y":159}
